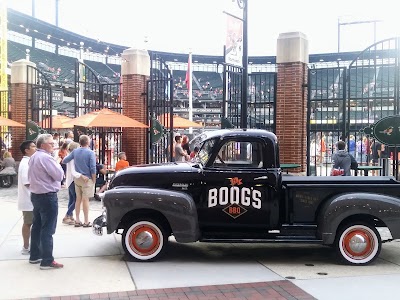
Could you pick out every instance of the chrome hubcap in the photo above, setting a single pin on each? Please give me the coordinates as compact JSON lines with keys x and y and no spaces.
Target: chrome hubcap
{"x":144,"y":239}
{"x":358,"y":243}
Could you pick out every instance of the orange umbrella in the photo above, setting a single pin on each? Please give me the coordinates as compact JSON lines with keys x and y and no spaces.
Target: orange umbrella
{"x":8,"y":122}
{"x":105,"y":118}
{"x":178,"y":122}
{"x":57,"y":122}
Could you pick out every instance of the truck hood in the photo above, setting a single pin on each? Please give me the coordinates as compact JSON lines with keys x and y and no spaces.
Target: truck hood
{"x":156,"y":175}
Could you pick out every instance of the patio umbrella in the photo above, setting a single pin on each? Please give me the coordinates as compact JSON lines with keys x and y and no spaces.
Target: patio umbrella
{"x":57,"y":122}
{"x":105,"y":118}
{"x":8,"y":122}
{"x":178,"y":122}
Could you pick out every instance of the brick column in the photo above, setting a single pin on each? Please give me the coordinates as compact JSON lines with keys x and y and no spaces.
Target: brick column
{"x":20,"y":90}
{"x":135,"y":71}
{"x":291,"y":98}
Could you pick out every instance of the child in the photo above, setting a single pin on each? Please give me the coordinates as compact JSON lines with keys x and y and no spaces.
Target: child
{"x":122,"y":163}
{"x":194,"y":152}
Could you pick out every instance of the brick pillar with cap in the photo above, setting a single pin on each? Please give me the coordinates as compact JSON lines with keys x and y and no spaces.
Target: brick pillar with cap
{"x":291,"y":98}
{"x":21,"y":83}
{"x":135,"y":71}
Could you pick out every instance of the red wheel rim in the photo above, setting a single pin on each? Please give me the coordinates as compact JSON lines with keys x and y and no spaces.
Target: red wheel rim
{"x":144,"y":240}
{"x":358,"y":234}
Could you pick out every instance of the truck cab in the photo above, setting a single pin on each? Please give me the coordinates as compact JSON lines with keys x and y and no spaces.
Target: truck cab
{"x":240,"y":184}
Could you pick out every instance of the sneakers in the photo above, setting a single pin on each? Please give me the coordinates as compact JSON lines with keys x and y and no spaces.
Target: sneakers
{"x":25,"y":251}
{"x":97,"y":197}
{"x":35,"y":261}
{"x":53,"y":265}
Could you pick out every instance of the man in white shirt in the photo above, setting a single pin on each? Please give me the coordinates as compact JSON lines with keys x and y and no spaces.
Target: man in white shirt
{"x":24,"y":195}
{"x":180,"y":154}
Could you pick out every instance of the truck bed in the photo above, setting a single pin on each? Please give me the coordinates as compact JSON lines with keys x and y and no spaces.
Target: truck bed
{"x":289,"y":180}
{"x":303,"y":195}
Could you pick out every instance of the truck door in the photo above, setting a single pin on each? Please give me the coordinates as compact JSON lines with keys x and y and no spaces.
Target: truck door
{"x":237,"y":193}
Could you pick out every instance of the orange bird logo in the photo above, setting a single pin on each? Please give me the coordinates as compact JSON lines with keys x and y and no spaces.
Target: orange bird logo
{"x":236,"y":181}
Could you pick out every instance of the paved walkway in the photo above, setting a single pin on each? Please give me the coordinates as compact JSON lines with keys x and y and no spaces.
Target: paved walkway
{"x":247,"y":291}
{"x":96,"y":268}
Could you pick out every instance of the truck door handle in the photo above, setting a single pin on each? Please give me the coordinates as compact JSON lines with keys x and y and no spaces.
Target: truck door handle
{"x":261,"y":178}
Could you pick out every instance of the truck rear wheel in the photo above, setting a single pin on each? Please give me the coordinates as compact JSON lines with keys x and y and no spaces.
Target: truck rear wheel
{"x":358,"y":243}
{"x":144,"y":239}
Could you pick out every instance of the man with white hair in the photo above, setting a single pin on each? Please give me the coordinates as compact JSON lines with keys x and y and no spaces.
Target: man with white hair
{"x":44,"y":176}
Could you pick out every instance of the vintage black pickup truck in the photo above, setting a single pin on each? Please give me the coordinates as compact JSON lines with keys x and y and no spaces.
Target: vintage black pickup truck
{"x":234,"y":191}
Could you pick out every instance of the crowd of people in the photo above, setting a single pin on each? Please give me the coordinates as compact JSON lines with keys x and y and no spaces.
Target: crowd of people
{"x":42,"y":172}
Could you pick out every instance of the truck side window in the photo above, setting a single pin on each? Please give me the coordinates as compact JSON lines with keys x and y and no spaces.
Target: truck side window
{"x":239,"y":154}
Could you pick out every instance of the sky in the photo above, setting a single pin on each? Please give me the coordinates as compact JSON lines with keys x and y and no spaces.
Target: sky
{"x":199,"y":25}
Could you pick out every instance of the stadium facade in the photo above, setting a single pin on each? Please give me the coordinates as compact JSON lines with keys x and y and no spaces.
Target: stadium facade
{"x":344,"y":92}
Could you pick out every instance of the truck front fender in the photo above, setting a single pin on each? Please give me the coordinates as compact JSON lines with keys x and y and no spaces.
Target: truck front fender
{"x":383,"y":207}
{"x":178,"y":208}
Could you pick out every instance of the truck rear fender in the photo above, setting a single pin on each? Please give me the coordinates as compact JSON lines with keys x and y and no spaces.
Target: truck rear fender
{"x":384,"y":209}
{"x":178,"y":209}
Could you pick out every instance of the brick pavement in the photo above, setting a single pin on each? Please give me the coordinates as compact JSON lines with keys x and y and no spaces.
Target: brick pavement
{"x":273,"y":290}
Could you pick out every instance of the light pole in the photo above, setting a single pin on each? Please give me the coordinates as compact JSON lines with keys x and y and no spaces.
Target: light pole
{"x":245,"y":61}
{"x":354,"y":23}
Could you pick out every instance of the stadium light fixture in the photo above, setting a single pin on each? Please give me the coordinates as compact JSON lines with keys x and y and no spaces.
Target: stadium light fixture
{"x":22,"y":26}
{"x":68,"y":44}
{"x":26,"y":30}
{"x":35,"y":30}
{"x":48,"y":36}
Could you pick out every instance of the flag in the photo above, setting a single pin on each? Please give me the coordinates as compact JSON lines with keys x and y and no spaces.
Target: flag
{"x":188,"y":79}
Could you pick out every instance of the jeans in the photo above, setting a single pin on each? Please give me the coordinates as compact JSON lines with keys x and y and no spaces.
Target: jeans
{"x":45,"y":211}
{"x":72,"y":199}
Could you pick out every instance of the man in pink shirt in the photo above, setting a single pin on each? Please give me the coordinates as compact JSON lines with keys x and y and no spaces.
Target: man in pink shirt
{"x":45,"y":176}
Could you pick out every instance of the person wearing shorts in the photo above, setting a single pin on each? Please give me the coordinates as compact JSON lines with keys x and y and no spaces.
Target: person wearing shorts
{"x":85,"y":164}
{"x":24,"y":195}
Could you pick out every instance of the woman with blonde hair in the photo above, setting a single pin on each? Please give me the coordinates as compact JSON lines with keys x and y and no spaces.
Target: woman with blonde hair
{"x":8,"y":164}
{"x":70,"y":174}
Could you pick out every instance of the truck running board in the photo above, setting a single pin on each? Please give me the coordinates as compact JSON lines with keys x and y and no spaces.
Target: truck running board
{"x":286,"y":239}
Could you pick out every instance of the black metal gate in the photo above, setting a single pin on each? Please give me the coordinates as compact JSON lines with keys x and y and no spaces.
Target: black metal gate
{"x":5,"y":131}
{"x":261,"y":102}
{"x":373,"y":93}
{"x":160,"y":91}
{"x":39,"y":100}
{"x":92,"y":94}
{"x":326,"y":116}
{"x":232,"y":93}
{"x":342,"y":101}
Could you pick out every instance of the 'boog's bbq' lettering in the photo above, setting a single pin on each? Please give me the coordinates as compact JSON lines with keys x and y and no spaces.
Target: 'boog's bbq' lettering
{"x":234,"y":195}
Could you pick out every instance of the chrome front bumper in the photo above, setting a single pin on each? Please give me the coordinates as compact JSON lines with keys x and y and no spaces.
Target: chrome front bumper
{"x":99,"y":223}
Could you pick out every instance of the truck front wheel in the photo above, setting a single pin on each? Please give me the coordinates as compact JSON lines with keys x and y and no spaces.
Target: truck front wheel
{"x":144,"y":239}
{"x":358,"y":243}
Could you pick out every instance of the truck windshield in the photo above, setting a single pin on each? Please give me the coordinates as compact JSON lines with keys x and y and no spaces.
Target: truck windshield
{"x":205,"y":151}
